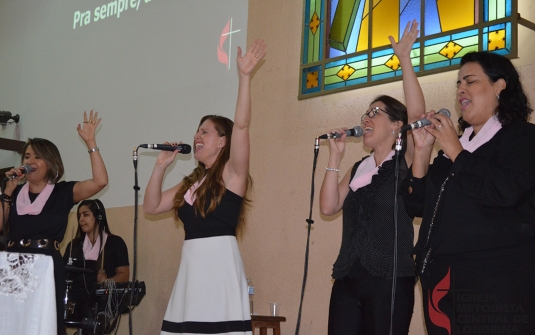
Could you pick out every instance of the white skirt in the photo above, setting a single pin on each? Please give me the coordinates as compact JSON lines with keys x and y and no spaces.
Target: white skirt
{"x":210,"y":293}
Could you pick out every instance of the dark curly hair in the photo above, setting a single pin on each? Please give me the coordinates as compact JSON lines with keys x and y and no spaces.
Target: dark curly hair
{"x":513,"y":104}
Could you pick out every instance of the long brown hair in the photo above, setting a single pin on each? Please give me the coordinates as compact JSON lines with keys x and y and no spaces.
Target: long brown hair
{"x":213,"y":184}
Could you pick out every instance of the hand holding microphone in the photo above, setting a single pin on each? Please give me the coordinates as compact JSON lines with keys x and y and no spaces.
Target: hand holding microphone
{"x":423,"y":122}
{"x":25,"y":169}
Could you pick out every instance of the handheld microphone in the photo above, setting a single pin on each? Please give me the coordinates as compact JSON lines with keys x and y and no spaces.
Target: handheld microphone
{"x":25,"y":169}
{"x":184,"y":148}
{"x":423,"y":122}
{"x":356,"y":132}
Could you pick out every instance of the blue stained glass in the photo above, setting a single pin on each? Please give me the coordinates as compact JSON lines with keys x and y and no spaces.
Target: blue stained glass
{"x":334,"y":4}
{"x":383,"y":76}
{"x":432,"y":21}
{"x":437,"y":40}
{"x":386,"y":52}
{"x":336,"y":63}
{"x":409,"y":10}
{"x":337,"y":85}
{"x":464,"y":34}
{"x":403,"y":3}
{"x":496,"y":27}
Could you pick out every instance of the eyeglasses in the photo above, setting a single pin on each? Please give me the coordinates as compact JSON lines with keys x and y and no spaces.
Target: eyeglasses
{"x":374,"y":111}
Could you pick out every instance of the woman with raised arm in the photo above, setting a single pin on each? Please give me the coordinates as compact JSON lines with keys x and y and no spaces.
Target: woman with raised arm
{"x":37,"y":210}
{"x":210,"y":292}
{"x":362,"y":291}
{"x":475,"y":253}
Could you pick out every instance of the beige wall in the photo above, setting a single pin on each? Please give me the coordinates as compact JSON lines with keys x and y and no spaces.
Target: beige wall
{"x":282,"y":134}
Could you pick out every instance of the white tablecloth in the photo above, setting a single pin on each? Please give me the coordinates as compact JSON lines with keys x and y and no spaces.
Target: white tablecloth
{"x":27,"y":294}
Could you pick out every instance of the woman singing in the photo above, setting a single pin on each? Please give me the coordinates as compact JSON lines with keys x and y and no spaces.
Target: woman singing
{"x":476,"y":249}
{"x":362,"y":291}
{"x":37,"y":210}
{"x":210,"y":292}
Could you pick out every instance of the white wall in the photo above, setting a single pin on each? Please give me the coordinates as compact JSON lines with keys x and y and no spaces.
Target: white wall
{"x":151,"y":71}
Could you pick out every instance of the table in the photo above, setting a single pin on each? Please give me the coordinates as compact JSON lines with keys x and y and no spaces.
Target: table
{"x":264,"y":322}
{"x":27,"y":294}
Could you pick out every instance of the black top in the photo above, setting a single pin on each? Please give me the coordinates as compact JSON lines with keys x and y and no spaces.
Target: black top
{"x":487,"y":208}
{"x":368,"y":226}
{"x":222,"y":221}
{"x":50,"y":223}
{"x":83,"y":286}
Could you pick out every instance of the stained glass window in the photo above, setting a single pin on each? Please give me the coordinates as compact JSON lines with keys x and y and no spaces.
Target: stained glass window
{"x":346,"y":46}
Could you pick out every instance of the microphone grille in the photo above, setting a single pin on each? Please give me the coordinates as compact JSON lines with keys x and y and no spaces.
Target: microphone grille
{"x":27,"y":168}
{"x":358,"y":131}
{"x":444,"y":111}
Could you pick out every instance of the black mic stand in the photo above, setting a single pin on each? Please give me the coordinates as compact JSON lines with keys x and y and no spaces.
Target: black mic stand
{"x":398,"y":147}
{"x":310,"y":222}
{"x":133,"y":282}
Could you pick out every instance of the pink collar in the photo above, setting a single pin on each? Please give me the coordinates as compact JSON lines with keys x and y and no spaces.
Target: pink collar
{"x":24,"y":204}
{"x":190,"y":195}
{"x":91,"y":252}
{"x":491,"y":127}
{"x":366,"y":171}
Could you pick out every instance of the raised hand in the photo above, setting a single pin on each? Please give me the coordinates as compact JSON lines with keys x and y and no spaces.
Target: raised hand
{"x":87,"y":131}
{"x":255,"y":54}
{"x":404,"y":46}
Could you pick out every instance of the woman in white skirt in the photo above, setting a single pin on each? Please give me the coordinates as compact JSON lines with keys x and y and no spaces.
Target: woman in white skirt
{"x":210,"y":292}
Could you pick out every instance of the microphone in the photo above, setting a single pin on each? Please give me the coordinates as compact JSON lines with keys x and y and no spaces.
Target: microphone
{"x":356,"y":132}
{"x":25,"y":169}
{"x":423,"y":122}
{"x":184,"y":148}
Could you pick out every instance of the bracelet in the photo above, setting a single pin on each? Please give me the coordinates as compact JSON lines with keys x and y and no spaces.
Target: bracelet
{"x":7,"y":199}
{"x":93,"y":150}
{"x":332,"y":169}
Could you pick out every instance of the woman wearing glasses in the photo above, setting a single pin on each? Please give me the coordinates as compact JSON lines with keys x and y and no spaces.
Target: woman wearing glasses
{"x":362,"y":291}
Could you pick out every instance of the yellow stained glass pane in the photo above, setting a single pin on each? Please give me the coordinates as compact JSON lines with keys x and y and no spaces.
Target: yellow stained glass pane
{"x":456,"y":13}
{"x":385,"y":23}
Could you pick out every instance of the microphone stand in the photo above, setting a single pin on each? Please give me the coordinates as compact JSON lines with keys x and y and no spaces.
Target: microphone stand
{"x":310,"y":222}
{"x":134,"y":267}
{"x":398,"y":147}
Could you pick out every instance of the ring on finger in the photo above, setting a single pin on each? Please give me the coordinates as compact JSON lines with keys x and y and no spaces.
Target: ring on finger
{"x":439,"y":126}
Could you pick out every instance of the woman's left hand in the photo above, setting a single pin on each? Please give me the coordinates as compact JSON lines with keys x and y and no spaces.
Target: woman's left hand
{"x":444,"y":131}
{"x":87,"y":131}
{"x":255,"y":54}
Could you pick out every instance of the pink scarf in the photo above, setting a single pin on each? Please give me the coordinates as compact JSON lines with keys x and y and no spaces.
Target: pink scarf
{"x":366,"y":171}
{"x":91,"y":252}
{"x":190,"y":195}
{"x":24,"y":204}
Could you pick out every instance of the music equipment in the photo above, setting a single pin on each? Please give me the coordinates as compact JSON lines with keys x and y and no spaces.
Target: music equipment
{"x":121,"y":293}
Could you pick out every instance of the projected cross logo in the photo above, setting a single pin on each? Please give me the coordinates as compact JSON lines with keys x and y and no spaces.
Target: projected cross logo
{"x":227,"y":32}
